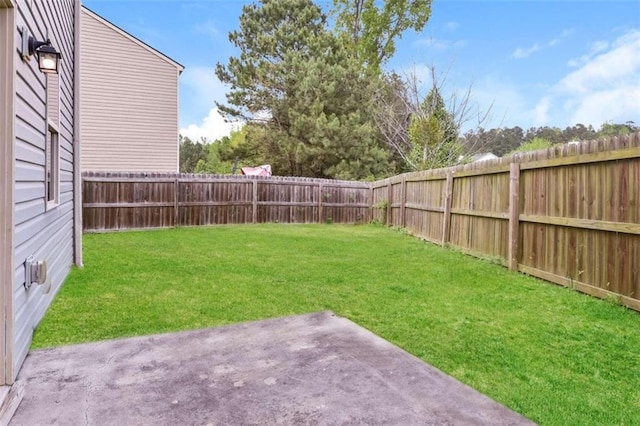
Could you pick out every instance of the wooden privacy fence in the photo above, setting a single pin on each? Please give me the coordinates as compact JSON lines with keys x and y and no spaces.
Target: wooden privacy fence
{"x":569,"y":214}
{"x":113,"y":201}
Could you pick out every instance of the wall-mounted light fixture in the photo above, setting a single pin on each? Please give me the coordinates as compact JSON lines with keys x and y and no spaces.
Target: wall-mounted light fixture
{"x":48,"y":57}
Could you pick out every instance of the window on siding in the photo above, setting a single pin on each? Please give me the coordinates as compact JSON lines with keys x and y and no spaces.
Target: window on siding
{"x":52,"y":168}
{"x":52,"y":149}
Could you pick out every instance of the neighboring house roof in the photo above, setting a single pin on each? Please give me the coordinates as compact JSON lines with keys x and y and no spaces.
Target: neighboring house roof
{"x":134,"y":39}
{"x":484,"y":156}
{"x":264,"y":170}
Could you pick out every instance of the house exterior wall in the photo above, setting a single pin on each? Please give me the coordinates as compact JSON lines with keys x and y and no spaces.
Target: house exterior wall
{"x":7,"y":115}
{"x":129,"y":102}
{"x":41,"y":229}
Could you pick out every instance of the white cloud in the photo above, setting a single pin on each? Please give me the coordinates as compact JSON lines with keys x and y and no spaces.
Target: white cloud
{"x":604,"y":88}
{"x":506,"y":104}
{"x":441,"y":44}
{"x":616,"y":105}
{"x":200,"y":89}
{"x":599,"y":46}
{"x":521,"y":52}
{"x":207,"y":28}
{"x":524,"y":52}
{"x":451,"y":26}
{"x":596,"y":48}
{"x":203,"y":84}
{"x":541,"y":111}
{"x":610,"y":69}
{"x":573,"y":63}
{"x":212,"y":127}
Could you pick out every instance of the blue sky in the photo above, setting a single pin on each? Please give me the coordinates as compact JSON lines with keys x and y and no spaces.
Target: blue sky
{"x":554,"y":63}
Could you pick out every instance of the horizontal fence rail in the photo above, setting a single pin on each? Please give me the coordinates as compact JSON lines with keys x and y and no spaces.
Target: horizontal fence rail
{"x":118,"y":201}
{"x":569,"y":214}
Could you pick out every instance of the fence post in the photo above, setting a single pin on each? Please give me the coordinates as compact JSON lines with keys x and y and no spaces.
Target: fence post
{"x":118,"y":215}
{"x":254,"y":211}
{"x":389,"y":203}
{"x":371,"y":202}
{"x":514,"y":215}
{"x":176,"y":202}
{"x":403,"y":202}
{"x":320,"y":195}
{"x":446,"y":220}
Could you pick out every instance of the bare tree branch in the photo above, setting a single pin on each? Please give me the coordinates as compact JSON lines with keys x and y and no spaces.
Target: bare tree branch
{"x":435,"y":142}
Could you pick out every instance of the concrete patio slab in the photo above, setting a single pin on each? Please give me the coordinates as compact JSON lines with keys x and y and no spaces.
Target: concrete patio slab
{"x":308,"y":369}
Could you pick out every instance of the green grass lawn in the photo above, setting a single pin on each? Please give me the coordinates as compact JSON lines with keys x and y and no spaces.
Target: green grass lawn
{"x":550,"y":353}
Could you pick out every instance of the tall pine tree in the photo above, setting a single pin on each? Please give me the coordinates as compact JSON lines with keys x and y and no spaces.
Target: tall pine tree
{"x":306,"y":96}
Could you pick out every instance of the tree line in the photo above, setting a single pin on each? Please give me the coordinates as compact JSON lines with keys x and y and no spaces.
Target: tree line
{"x":220,"y":156}
{"x":316,"y":100}
{"x":503,"y":141}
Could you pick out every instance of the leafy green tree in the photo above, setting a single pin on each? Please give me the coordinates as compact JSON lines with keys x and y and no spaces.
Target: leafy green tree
{"x":214,"y":163}
{"x":611,"y":129}
{"x":433,"y":133}
{"x":226,"y":155}
{"x":579,"y":132}
{"x":552,"y":134}
{"x":305,"y":96}
{"x":534,"y":144}
{"x":373,"y":26}
{"x":190,"y":154}
{"x":508,"y":139}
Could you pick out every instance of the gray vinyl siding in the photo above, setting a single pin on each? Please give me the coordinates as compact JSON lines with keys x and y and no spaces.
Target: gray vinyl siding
{"x":129,"y":109}
{"x":46,"y":233}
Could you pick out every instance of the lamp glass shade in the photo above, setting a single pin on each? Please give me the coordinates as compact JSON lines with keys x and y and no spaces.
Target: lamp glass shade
{"x":48,"y":59}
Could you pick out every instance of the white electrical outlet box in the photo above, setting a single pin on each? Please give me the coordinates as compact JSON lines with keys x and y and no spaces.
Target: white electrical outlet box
{"x":35,"y":272}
